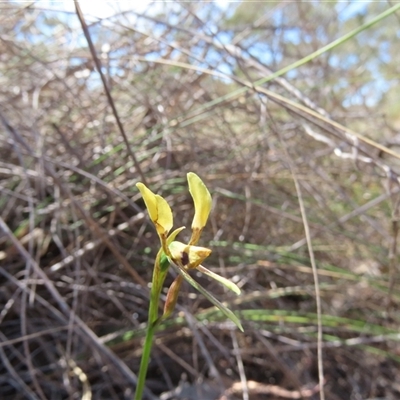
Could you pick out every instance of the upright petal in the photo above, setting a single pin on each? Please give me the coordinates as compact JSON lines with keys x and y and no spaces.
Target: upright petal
{"x":202,"y":205}
{"x":149,"y":199}
{"x":159,"y":210}
{"x":165,"y":219}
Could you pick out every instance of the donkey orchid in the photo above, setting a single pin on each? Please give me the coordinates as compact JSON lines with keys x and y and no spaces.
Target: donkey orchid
{"x":183,"y":257}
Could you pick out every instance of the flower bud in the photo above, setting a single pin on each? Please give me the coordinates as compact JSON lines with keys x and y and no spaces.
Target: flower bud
{"x":172,"y":296}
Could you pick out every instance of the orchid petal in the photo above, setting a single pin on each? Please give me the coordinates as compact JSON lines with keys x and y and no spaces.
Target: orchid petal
{"x":174,"y":234}
{"x":226,"y":282}
{"x":188,"y":256}
{"x":158,"y":208}
{"x":202,"y":205}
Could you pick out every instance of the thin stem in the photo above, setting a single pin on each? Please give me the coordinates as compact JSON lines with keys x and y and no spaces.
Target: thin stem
{"x":159,"y":273}
{"x":144,"y":363}
{"x":107,"y":91}
{"x":315,"y":274}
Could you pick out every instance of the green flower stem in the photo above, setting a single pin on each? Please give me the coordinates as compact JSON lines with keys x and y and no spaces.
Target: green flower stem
{"x":159,"y":273}
{"x":144,"y":363}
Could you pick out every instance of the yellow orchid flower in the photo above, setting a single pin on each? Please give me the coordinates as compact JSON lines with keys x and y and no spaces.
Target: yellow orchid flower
{"x":183,"y":256}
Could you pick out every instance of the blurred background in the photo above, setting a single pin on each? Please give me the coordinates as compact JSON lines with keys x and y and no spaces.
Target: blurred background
{"x":299,"y":150}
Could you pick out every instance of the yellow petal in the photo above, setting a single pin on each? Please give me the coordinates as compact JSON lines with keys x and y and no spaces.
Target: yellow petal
{"x":165,"y":219}
{"x":174,"y":234}
{"x":149,"y":199}
{"x":188,"y":256}
{"x":202,"y":205}
{"x":159,"y":210}
{"x":226,"y":282}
